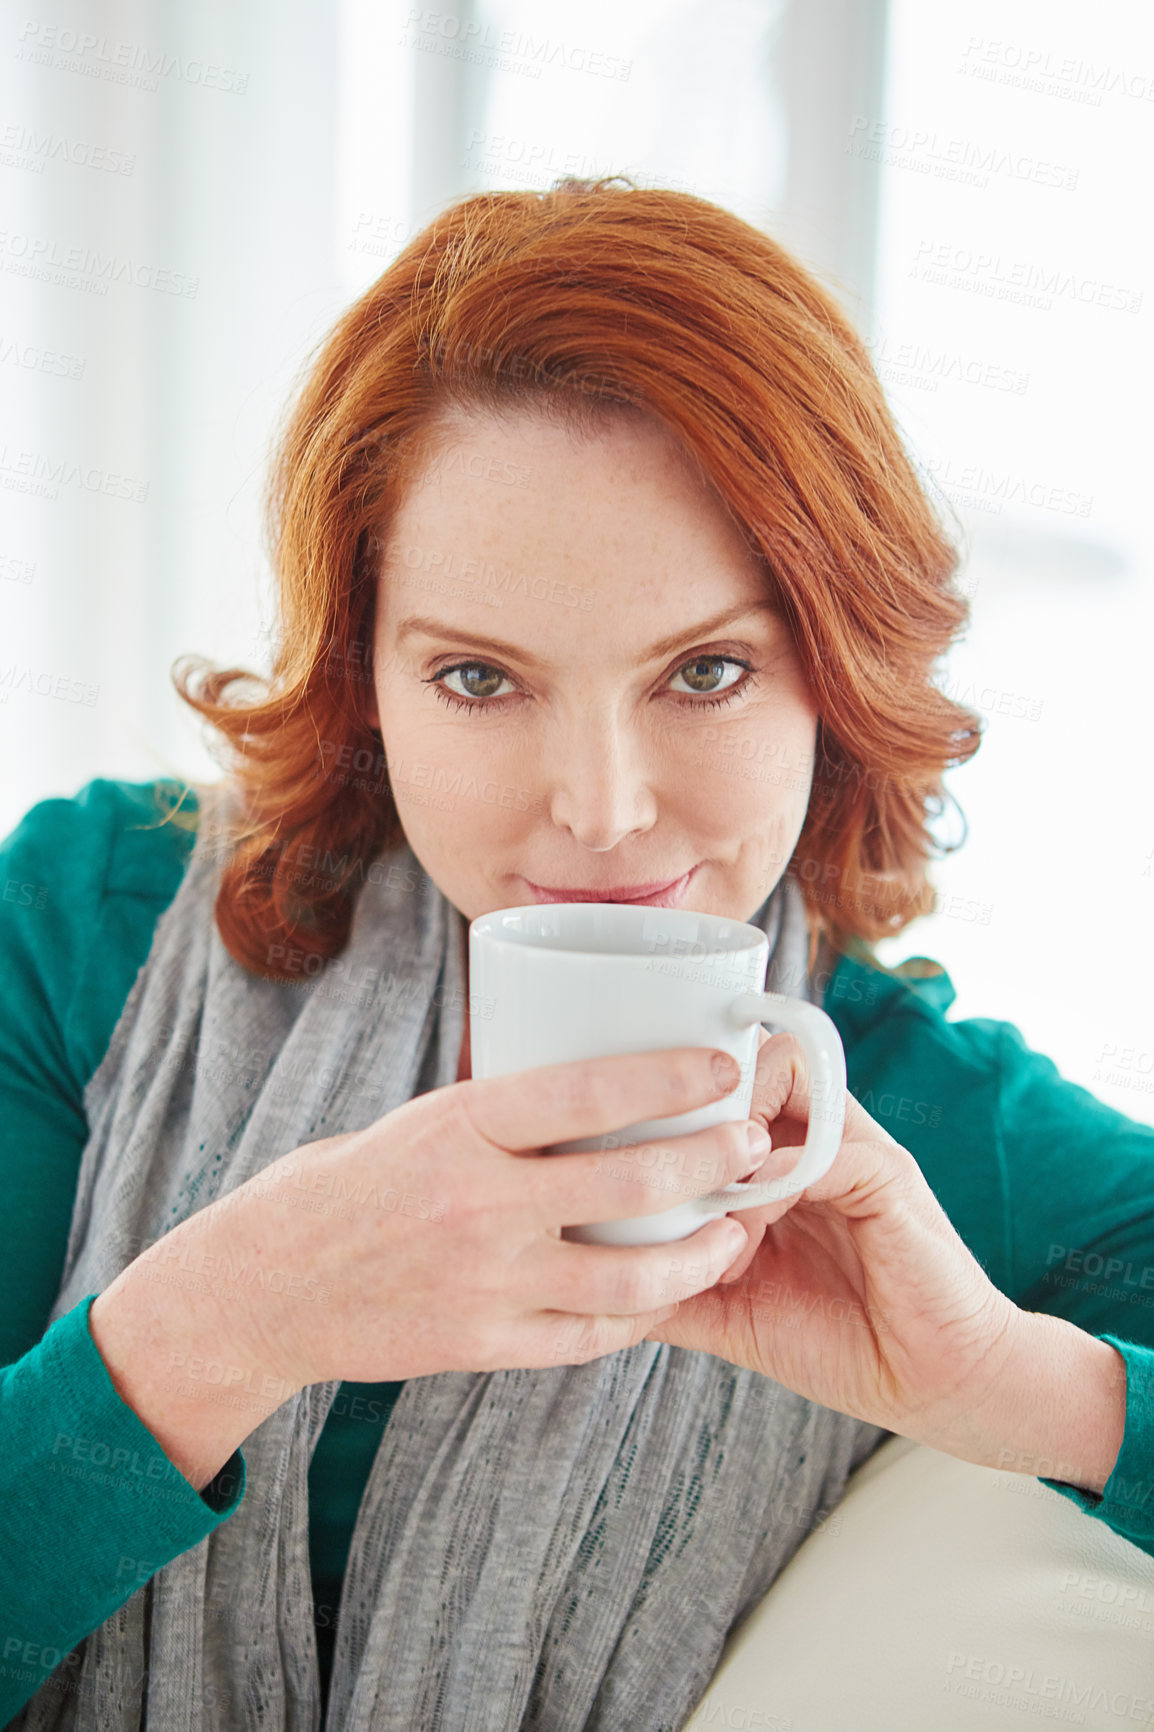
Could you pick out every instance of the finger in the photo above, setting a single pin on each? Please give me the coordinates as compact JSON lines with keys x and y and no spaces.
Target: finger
{"x":781,"y":1079}
{"x":559,"y":1339}
{"x":635,"y":1179}
{"x":781,"y":1090}
{"x":779,"y":1165}
{"x":630,"y":1280}
{"x":557,"y":1103}
{"x":869,"y":1178}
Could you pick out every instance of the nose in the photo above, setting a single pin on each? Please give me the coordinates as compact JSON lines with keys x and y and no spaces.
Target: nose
{"x":598,"y":780}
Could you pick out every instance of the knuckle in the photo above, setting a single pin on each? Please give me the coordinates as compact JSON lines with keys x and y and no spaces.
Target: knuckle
{"x":485,"y":1220}
{"x":681,"y":1079}
{"x":603,"y":1336}
{"x":542,"y":1188}
{"x":487,"y":1347}
{"x":578,"y":1090}
{"x":626,"y":1183}
{"x":707,"y":1168}
{"x":461,"y":1115}
{"x":701,"y":1269}
{"x":778,"y":1052}
{"x":669,"y":1283}
{"x":480,"y":1222}
{"x":579,"y":1339}
{"x":639,"y":1183}
{"x":626,"y":1294}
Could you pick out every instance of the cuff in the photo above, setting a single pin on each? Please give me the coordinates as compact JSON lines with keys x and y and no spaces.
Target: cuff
{"x":110,"y":1444}
{"x":90,"y":1505}
{"x":1126,"y":1503}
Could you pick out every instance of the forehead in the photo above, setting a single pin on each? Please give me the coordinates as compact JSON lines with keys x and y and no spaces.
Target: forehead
{"x":543,"y":434}
{"x":523,"y":528}
{"x":615,"y":483}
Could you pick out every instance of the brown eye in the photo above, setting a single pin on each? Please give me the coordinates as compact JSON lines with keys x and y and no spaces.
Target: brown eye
{"x":703,"y":674}
{"x":479,"y":680}
{"x":474,"y":687}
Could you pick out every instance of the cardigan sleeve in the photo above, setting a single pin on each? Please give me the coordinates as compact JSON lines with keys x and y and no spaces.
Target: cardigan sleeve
{"x":91,"y":1505}
{"x":1080,"y":1195}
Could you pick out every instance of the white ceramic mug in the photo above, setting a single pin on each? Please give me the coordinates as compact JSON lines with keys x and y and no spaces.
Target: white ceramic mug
{"x":573,"y":980}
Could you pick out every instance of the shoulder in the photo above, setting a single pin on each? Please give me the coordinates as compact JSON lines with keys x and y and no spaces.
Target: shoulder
{"x":118,"y":835}
{"x":934,"y":1085}
{"x":903,"y":1012}
{"x":905,"y":1008}
{"x":897,"y":1035}
{"x":83,"y":880}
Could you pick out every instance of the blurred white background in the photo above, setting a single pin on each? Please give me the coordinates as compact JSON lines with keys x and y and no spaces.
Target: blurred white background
{"x":190,"y":198}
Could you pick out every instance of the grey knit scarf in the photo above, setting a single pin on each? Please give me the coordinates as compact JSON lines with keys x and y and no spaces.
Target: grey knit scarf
{"x":551,"y":1549}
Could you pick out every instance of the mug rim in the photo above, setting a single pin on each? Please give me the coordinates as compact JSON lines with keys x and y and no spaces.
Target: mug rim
{"x":746,"y":936}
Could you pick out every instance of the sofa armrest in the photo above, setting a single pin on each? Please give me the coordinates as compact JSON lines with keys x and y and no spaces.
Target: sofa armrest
{"x":942,"y":1595}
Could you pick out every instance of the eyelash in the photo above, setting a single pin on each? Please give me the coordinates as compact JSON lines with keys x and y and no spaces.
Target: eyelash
{"x":454,"y":699}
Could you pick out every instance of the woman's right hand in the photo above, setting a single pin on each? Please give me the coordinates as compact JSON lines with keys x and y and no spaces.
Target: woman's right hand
{"x":435,"y":1232}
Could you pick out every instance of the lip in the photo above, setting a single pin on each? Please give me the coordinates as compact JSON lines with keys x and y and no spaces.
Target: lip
{"x":666,"y":895}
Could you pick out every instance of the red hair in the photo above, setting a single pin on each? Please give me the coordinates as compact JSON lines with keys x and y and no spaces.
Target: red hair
{"x":587,"y":298}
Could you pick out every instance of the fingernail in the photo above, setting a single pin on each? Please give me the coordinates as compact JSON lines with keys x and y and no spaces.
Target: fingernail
{"x":759,"y":1139}
{"x":726,"y":1072}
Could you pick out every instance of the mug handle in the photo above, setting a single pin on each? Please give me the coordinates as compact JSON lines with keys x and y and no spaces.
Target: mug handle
{"x":825,"y":1058}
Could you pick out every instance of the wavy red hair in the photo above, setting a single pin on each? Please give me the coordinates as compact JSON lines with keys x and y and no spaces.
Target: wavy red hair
{"x":590,"y":297}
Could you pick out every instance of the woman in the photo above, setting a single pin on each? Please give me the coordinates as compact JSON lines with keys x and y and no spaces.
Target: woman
{"x":603,"y":574}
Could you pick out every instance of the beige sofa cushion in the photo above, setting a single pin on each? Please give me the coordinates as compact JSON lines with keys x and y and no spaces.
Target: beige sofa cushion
{"x":941,"y":1595}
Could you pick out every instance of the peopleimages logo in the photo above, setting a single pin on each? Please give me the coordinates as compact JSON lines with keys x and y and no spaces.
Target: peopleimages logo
{"x":988,"y":1678}
{"x":475,"y":39}
{"x":36,"y":472}
{"x":45,"y":685}
{"x":927,"y":152}
{"x":1021,"y":281}
{"x":34,"y":359}
{"x":990,"y":489}
{"x":81,"y":267}
{"x":24,"y":147}
{"x":1029,"y":67}
{"x":131,"y":63}
{"x":925,"y":367}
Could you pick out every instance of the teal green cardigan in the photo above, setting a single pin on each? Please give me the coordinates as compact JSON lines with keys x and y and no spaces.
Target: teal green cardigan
{"x":1052,"y":1190}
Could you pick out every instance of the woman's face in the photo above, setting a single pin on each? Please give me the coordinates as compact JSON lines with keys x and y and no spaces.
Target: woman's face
{"x":570,"y":588}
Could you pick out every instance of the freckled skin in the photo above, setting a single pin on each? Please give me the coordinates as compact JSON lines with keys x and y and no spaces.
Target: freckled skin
{"x":603,"y":765}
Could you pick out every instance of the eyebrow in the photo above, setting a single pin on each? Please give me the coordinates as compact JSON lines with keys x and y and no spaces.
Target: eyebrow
{"x":420,"y":625}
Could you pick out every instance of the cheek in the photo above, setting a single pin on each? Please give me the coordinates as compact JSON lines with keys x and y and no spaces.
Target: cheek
{"x":761,"y":770}
{"x":448,"y":782}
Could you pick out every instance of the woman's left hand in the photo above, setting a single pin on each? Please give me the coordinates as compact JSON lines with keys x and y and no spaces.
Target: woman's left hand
{"x":858,"y":1292}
